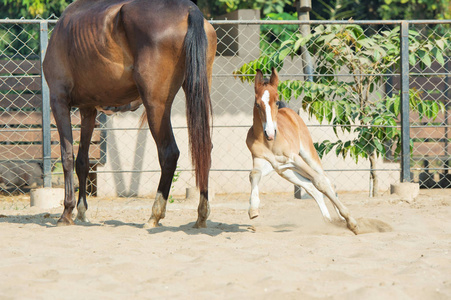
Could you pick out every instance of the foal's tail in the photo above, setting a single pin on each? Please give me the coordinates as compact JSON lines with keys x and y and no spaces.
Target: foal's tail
{"x":198,"y":102}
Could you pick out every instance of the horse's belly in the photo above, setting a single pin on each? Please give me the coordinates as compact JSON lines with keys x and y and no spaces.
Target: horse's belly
{"x":107,"y":92}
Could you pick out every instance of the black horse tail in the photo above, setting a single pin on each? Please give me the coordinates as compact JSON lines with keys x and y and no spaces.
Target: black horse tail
{"x":198,"y":101}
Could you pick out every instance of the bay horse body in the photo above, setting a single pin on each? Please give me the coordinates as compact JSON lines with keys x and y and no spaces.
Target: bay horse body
{"x":120,"y":53}
{"x":280,"y":141}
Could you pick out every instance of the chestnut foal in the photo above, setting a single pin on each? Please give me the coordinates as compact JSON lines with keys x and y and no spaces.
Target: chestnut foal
{"x":280,"y":141}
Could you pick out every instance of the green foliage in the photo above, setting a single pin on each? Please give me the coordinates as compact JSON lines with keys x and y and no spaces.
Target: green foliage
{"x":381,"y":9}
{"x":339,"y":49}
{"x":267,"y":6}
{"x":31,"y":8}
{"x":175,"y":178}
{"x":272,"y":35}
{"x":415,"y":9}
{"x":335,"y":10}
{"x":215,"y":8}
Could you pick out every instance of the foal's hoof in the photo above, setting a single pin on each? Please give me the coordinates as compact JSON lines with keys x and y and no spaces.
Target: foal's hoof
{"x":63,"y":221}
{"x":253,"y":213}
{"x":353,"y":226}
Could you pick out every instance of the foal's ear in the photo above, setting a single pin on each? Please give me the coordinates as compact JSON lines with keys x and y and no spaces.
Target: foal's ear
{"x":258,"y":79}
{"x":274,"y":80}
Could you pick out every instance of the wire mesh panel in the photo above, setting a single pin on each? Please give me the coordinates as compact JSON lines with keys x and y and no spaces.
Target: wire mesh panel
{"x":431,"y":125}
{"x":343,"y":78}
{"x":20,"y":108}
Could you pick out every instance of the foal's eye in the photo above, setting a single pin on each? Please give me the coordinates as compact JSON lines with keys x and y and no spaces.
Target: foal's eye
{"x":257,"y":105}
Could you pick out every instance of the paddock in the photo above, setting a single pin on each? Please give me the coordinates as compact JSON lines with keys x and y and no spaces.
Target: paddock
{"x":288,"y":252}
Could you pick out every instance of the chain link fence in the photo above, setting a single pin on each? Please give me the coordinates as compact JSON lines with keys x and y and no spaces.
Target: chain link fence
{"x":346,"y":79}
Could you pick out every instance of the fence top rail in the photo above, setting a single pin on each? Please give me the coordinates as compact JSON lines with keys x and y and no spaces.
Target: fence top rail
{"x":26,"y":21}
{"x":324,"y":22}
{"x":268,"y":22}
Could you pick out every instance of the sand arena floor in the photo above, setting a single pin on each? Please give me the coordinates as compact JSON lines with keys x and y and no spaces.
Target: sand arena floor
{"x":288,"y":252}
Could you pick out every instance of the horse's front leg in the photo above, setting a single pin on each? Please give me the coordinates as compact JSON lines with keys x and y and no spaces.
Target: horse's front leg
{"x":61,"y":112}
{"x":260,"y":169}
{"x":88,"y":120}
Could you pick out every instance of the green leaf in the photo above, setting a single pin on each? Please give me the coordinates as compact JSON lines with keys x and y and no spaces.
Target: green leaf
{"x":397,"y":105}
{"x":327,"y":38}
{"x":339,"y":110}
{"x":425,"y":57}
{"x":438,"y":56}
{"x":441,"y":44}
{"x":435,"y":110}
{"x":412,"y":59}
{"x":283,"y":53}
{"x":380,"y":148}
{"x":301,"y":42}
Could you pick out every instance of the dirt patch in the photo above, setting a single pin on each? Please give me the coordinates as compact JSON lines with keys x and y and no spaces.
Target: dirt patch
{"x":288,"y":252}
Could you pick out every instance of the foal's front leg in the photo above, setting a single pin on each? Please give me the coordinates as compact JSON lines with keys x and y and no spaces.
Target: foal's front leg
{"x":261,"y":168}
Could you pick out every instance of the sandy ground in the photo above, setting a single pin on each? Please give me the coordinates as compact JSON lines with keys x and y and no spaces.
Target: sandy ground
{"x":288,"y":252}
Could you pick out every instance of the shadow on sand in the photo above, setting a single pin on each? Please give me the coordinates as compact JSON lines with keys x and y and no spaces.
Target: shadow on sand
{"x":213,"y":228}
{"x":49,"y":220}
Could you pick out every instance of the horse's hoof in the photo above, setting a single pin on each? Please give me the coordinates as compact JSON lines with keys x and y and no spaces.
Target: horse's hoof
{"x":253,"y":213}
{"x":353,"y":226}
{"x":64,"y":222}
{"x":83,"y":219}
{"x":327,"y":219}
{"x":151,"y":224}
{"x":355,"y":230}
{"x":200,"y":224}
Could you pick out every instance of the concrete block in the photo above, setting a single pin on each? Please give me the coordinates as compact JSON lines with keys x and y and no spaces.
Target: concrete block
{"x":300,"y":193}
{"x":192,"y":193}
{"x":47,"y":197}
{"x":405,"y":190}
{"x":239,"y":40}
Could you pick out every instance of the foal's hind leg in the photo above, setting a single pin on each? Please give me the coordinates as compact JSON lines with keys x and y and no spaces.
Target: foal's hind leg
{"x":88,"y":118}
{"x":323,"y":184}
{"x":61,"y":112}
{"x":308,"y":186}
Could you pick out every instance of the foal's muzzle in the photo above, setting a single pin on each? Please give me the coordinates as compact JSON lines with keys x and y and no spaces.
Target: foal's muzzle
{"x":268,"y":138}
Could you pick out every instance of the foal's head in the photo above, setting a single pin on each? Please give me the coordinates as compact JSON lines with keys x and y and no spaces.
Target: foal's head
{"x":266,"y":97}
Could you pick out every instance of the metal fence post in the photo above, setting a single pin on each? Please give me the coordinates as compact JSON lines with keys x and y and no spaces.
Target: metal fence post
{"x":46,"y":141}
{"x":405,"y":121}
{"x":303,"y":8}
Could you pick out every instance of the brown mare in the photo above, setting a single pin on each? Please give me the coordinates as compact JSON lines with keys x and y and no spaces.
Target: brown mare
{"x":280,"y":141}
{"x":116,"y":53}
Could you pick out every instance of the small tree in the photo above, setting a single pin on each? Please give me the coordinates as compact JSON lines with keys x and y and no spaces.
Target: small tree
{"x":339,"y":49}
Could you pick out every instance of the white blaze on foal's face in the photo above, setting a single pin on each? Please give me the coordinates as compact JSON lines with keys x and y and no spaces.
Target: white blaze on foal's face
{"x":269,"y":126}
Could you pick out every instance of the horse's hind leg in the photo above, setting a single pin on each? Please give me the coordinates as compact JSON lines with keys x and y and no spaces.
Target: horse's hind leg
{"x":61,"y":112}
{"x":157,"y":95}
{"x":306,"y":184}
{"x":323,"y":184}
{"x":88,"y":118}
